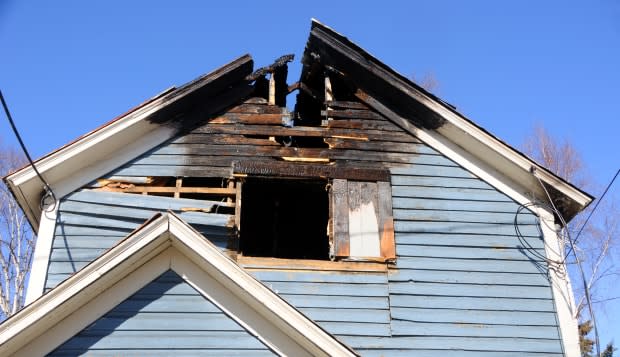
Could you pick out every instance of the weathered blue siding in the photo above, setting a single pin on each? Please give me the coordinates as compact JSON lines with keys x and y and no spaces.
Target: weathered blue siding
{"x":464,"y":283}
{"x":166,"y":317}
{"x":90,"y":222}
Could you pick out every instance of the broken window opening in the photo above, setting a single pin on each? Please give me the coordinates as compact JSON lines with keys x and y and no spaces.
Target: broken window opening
{"x":285,"y":218}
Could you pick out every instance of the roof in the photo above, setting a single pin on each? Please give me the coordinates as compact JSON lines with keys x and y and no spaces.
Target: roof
{"x":403,"y":101}
{"x":129,"y":135}
{"x":163,"y":243}
{"x":391,"y":94}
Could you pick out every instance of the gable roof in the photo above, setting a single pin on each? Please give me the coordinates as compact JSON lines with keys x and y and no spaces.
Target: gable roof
{"x":163,"y":243}
{"x":129,"y":135}
{"x":404,"y":102}
{"x":391,"y":94}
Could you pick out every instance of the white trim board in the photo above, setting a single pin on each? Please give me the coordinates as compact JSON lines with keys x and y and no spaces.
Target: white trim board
{"x":165,"y":242}
{"x":112,"y":145}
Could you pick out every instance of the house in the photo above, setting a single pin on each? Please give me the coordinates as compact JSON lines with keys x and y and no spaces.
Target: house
{"x":373,"y":219}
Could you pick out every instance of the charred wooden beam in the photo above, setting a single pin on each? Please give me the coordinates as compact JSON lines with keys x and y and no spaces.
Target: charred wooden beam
{"x":398,"y":93}
{"x":178,"y":103}
{"x":282,"y":61}
{"x":286,"y":169}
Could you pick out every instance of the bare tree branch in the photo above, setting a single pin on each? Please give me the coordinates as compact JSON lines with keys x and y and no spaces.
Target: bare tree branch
{"x":16,"y":241}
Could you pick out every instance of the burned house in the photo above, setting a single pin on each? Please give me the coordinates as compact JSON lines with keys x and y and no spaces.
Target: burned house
{"x":369,"y":219}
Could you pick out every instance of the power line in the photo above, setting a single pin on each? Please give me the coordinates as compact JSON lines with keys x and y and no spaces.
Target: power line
{"x":592,"y":212}
{"x":48,"y":189}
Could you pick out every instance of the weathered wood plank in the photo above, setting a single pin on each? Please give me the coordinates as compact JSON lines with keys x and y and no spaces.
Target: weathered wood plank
{"x":524,"y":218}
{"x":340,"y":219}
{"x":380,"y":146}
{"x":469,"y":252}
{"x":461,"y":277}
{"x":454,"y":205}
{"x":420,"y":170}
{"x":144,"y":202}
{"x":472,"y":303}
{"x":320,"y":277}
{"x":164,"y":339}
{"x":353,"y":114}
{"x":470,"y":194}
{"x":158,"y":170}
{"x":163,"y":321}
{"x":248,"y":118}
{"x":306,"y":170}
{"x":433,"y":181}
{"x":337,"y":302}
{"x":222,"y":139}
{"x":346,"y":104}
{"x":442,"y":289}
{"x":353,"y":316}
{"x":458,"y":316}
{"x":386,"y":220}
{"x":433,"y":263}
{"x":464,"y":228}
{"x":449,"y":344}
{"x":464,"y":329}
{"x":334,"y":289}
{"x":469,"y":240}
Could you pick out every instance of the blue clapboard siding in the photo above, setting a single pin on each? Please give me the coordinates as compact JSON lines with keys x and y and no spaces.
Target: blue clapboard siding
{"x":166,"y":317}
{"x":345,"y":303}
{"x":466,"y":282}
{"x":90,"y":222}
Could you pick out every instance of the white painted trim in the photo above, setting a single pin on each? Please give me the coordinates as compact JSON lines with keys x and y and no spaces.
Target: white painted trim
{"x":561,"y":288}
{"x":166,"y":242}
{"x":106,"y":148}
{"x":42,"y":252}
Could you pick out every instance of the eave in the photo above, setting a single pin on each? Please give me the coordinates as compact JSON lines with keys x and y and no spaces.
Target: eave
{"x":396,"y":97}
{"x":128,"y":136}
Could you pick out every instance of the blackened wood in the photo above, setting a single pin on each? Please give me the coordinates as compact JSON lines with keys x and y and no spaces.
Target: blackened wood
{"x":340,"y":198}
{"x":248,"y":108}
{"x":364,"y":71}
{"x":242,"y":118}
{"x":386,"y":221}
{"x":362,"y":124}
{"x":224,"y":139}
{"x":344,"y":104}
{"x":183,"y":99}
{"x":286,"y":169}
{"x":305,"y":131}
{"x":351,"y":113}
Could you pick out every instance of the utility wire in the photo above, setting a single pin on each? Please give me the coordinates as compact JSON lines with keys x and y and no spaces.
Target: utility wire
{"x":578,"y":261}
{"x":48,"y":189}
{"x":592,"y":212}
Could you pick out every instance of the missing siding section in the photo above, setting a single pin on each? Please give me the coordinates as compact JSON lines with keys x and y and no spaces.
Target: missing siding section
{"x":285,"y":219}
{"x":197,"y":188}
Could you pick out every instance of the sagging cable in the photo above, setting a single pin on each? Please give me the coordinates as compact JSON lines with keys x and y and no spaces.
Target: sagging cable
{"x":49,"y":193}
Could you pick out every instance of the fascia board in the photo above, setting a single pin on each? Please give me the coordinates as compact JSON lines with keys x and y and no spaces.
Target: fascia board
{"x":110,"y":146}
{"x":145,"y":244}
{"x":456,"y":127}
{"x":49,"y":309}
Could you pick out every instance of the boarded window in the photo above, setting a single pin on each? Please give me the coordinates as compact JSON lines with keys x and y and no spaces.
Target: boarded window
{"x":362,"y":227}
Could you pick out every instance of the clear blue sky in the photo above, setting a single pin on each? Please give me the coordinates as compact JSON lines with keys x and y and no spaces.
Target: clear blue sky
{"x":66,"y":67}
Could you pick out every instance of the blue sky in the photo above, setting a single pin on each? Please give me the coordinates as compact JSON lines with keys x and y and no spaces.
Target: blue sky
{"x":67,"y":67}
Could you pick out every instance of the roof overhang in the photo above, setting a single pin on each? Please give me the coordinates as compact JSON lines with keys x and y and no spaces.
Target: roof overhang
{"x":126,"y":137}
{"x":398,"y":98}
{"x":163,"y":243}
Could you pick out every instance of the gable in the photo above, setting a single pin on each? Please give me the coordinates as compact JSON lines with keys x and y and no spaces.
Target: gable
{"x":164,"y":243}
{"x":166,"y":315}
